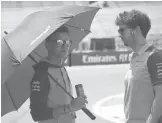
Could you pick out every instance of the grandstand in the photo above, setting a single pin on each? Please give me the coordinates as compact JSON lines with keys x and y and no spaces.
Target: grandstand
{"x":13,"y":12}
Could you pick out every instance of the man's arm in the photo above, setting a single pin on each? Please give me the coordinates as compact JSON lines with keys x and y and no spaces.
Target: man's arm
{"x":156,"y":112}
{"x":155,"y":70}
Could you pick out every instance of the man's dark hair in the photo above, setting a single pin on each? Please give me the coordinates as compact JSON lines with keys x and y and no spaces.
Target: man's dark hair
{"x":60,"y":29}
{"x":134,"y":18}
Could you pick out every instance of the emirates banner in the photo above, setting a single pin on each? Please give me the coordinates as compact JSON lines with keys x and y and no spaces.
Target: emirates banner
{"x":98,"y":58}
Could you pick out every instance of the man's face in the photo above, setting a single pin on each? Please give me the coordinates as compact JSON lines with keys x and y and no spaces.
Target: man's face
{"x":59,"y":44}
{"x":126,"y":35}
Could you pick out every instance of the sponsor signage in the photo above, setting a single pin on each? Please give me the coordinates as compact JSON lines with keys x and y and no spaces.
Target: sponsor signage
{"x":97,"y":58}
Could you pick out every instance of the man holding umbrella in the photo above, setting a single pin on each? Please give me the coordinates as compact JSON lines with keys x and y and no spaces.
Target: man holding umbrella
{"x":48,"y":102}
{"x":46,"y":83}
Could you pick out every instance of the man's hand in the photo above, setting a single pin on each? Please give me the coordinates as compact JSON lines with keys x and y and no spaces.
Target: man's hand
{"x":78,"y":103}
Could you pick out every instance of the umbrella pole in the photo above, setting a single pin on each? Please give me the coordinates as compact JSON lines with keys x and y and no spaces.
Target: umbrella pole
{"x":11,"y":96}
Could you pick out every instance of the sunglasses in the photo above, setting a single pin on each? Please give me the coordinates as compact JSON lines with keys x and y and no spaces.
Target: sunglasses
{"x":121,"y":30}
{"x":61,"y":43}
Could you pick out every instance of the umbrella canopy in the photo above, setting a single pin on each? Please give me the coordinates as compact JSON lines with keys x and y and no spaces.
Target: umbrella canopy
{"x":27,"y":38}
{"x":39,"y":25}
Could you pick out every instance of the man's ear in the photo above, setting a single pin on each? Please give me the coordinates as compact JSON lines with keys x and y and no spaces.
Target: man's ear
{"x":138,"y":30}
{"x":135,"y":31}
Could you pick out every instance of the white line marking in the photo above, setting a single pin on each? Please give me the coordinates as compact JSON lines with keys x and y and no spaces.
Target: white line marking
{"x":112,"y":113}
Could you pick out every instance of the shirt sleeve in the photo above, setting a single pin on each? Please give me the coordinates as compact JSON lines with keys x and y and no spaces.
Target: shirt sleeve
{"x":38,"y":99}
{"x":154,"y":64}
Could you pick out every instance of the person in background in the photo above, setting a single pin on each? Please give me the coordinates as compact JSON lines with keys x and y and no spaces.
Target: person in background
{"x":49,"y":103}
{"x":143,"y":81}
